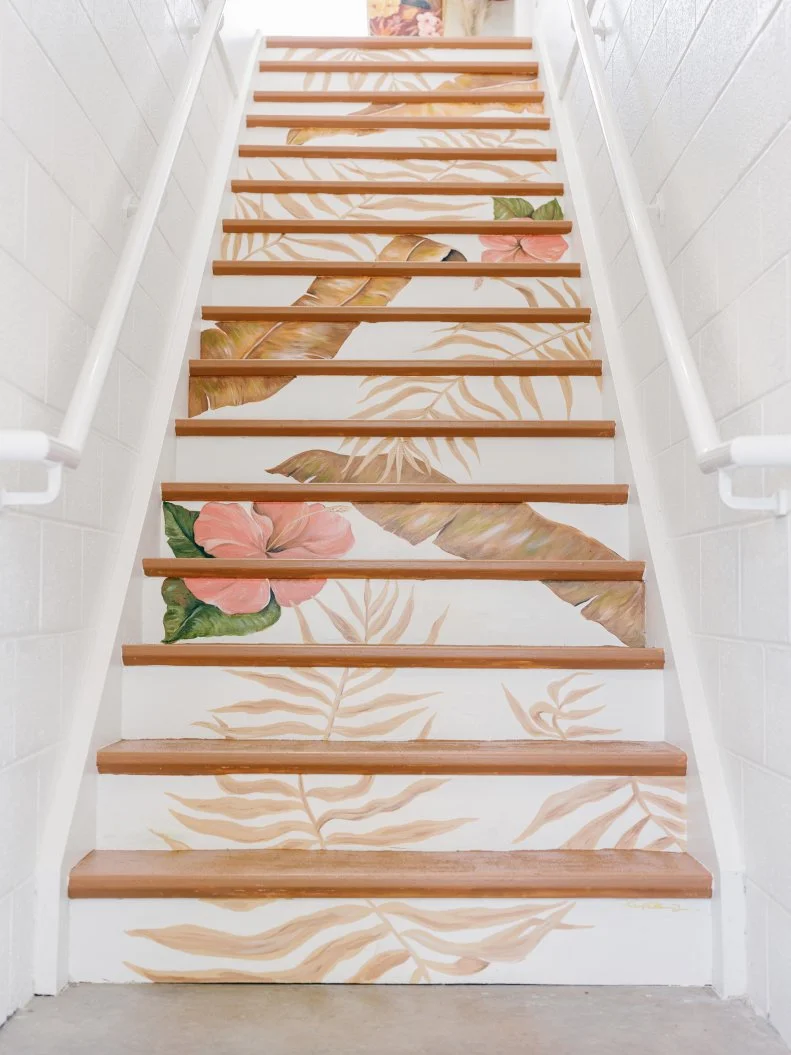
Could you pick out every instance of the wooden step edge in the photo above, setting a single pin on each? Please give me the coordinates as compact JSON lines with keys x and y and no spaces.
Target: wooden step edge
{"x":387,"y":873}
{"x":464,"y":657}
{"x":443,"y":757}
{"x":386,"y":121}
{"x":507,"y":570}
{"x":390,"y":43}
{"x":511,"y":67}
{"x":376,"y":226}
{"x":393,"y":427}
{"x":397,"y":98}
{"x":394,"y":368}
{"x":491,"y":494}
{"x":396,"y":269}
{"x":301,"y":313}
{"x":400,"y":153}
{"x":470,"y":188}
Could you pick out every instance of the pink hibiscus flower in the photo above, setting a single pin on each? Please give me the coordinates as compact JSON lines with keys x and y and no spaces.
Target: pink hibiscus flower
{"x":428,"y":25}
{"x":290,"y":530}
{"x":517,"y":248}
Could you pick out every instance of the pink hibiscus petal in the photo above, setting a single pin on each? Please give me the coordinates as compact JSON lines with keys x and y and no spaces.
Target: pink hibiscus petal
{"x":291,"y":592}
{"x":542,"y":247}
{"x":500,"y":241}
{"x":232,"y":596}
{"x":227,"y":529}
{"x":302,"y":530}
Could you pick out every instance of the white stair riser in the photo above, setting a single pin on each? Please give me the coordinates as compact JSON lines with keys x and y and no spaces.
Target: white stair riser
{"x":608,"y":525}
{"x":366,"y":246}
{"x":483,"y":107}
{"x":404,"y":137}
{"x":319,"y":397}
{"x":478,"y":612}
{"x":422,"y":52}
{"x":607,"y":941}
{"x":418,"y":169}
{"x":442,"y":704}
{"x":565,"y":460}
{"x":420,"y":292}
{"x":390,"y":812}
{"x":394,"y":340}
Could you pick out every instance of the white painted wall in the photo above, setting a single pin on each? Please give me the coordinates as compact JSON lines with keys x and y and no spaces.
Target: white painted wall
{"x":87,"y":88}
{"x":704,"y":95}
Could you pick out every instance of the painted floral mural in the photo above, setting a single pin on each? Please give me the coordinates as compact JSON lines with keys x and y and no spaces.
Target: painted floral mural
{"x":201,"y":607}
{"x":405,"y":18}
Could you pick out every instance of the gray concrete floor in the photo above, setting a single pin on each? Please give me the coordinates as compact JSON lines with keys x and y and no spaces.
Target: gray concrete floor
{"x":385,"y":1020}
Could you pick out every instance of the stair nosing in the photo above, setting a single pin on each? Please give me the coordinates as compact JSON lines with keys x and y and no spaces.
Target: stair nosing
{"x":438,"y":269}
{"x":406,"y":95}
{"x":580,"y":429}
{"x":315,"y":225}
{"x":375,"y":315}
{"x":385,"y":121}
{"x":470,"y":657}
{"x":491,"y":494}
{"x":395,"y":367}
{"x":399,"y":152}
{"x":514,"y":570}
{"x":360,"y":873}
{"x":388,"y":43}
{"x":195,"y":757}
{"x":470,"y":188}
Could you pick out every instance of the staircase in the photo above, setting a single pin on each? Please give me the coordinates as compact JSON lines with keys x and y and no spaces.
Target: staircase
{"x":393,"y":717}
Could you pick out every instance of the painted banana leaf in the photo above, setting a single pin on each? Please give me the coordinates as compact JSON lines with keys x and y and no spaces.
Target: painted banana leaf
{"x":487,"y":532}
{"x":465,"y":82}
{"x":301,"y":339}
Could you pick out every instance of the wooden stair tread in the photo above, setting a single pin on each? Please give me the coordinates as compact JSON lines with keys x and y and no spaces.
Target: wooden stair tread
{"x":558,"y":657}
{"x":299,"y":312}
{"x":388,"y":873}
{"x":509,"y":153}
{"x":389,"y":43}
{"x":394,"y":367}
{"x":386,"y":120}
{"x":391,"y":268}
{"x":373,"y":225}
{"x":392,"y":427}
{"x":518,"y":570}
{"x":367,"y":95}
{"x":497,"y":494}
{"x":483,"y":757}
{"x":471,"y":188}
{"x":513,"y":67}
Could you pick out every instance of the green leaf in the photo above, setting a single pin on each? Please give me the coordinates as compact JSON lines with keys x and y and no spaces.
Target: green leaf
{"x":508,"y":208}
{"x":187,"y":618}
{"x":550,"y":210}
{"x":180,"y":530}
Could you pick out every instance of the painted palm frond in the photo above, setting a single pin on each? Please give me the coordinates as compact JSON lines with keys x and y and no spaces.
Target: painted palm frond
{"x":362,"y":941}
{"x":344,"y":703}
{"x":559,"y":716}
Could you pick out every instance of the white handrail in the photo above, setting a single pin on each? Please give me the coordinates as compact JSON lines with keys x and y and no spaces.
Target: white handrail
{"x":713,"y":454}
{"x":31,"y":445}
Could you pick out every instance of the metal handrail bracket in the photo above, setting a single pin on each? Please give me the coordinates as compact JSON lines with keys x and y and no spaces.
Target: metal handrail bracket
{"x":712,"y":453}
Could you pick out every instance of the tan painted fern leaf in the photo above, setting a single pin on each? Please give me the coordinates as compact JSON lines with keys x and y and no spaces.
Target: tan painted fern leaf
{"x":364,"y":941}
{"x":308,"y":813}
{"x":557,"y":717}
{"x":649,"y":813}
{"x":343,"y":703}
